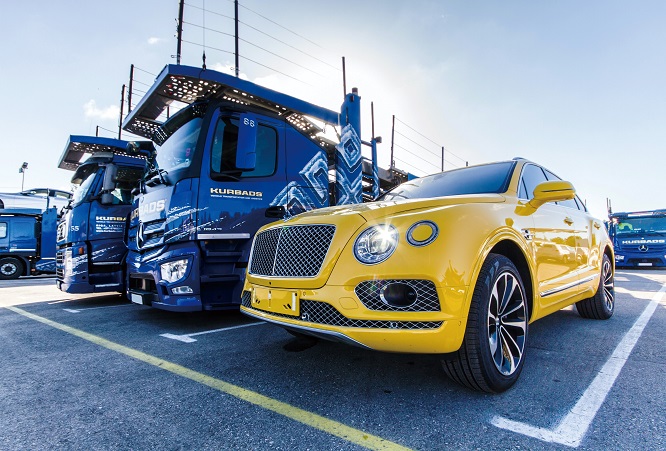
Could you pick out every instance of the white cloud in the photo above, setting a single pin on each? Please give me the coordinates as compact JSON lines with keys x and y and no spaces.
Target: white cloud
{"x":153,"y":40}
{"x":91,"y":110}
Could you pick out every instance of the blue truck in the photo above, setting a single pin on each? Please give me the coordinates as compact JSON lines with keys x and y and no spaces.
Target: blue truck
{"x":639,"y":238}
{"x":27,"y":242}
{"x":234,"y":157}
{"x":91,"y":234}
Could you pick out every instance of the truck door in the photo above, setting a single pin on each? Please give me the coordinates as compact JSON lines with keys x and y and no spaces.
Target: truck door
{"x":232,"y":201}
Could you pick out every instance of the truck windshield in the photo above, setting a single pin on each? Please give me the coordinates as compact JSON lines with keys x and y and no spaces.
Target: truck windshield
{"x":82,"y":191}
{"x":627,"y":226}
{"x":487,"y":178}
{"x":178,"y":150}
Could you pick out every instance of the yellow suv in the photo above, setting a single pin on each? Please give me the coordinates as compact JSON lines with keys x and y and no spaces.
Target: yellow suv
{"x":456,"y":263}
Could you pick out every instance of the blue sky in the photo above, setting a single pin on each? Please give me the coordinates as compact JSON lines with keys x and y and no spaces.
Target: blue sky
{"x":575,"y":86}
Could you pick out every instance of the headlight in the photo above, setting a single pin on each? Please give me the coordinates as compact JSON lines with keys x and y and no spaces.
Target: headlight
{"x":174,"y":270}
{"x":376,"y":244}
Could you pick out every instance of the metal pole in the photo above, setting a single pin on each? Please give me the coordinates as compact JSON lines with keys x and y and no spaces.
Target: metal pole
{"x":236,"y":22}
{"x":122,"y":107}
{"x":129,"y":91}
{"x":344,"y":79}
{"x":97,"y":131}
{"x":179,"y":30}
{"x":442,"y":158}
{"x":392,"y":140}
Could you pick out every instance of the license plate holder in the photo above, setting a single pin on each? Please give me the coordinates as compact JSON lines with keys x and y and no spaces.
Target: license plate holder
{"x":285,"y":302}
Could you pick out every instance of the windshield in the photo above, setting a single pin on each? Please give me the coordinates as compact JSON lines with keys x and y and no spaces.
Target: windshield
{"x":487,"y":178}
{"x":82,"y":191}
{"x":627,"y":226}
{"x":178,"y":150}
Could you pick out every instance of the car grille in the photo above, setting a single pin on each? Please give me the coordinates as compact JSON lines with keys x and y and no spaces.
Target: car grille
{"x":426,"y":295}
{"x":291,"y":251}
{"x":323,"y":313}
{"x":146,"y":235}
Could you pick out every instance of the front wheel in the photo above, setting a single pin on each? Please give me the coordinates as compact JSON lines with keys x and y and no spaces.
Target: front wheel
{"x":10,"y":268}
{"x":492,"y":354}
{"x":602,"y":304}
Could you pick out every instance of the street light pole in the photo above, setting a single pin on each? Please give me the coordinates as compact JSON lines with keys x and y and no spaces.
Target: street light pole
{"x":22,"y":169}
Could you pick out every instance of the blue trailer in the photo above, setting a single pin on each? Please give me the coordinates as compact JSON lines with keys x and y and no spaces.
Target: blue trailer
{"x":91,"y":234}
{"x":235,"y":157}
{"x":639,"y":238}
{"x":27,"y":242}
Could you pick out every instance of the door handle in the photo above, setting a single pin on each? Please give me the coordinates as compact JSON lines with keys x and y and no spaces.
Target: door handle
{"x":568,"y":220}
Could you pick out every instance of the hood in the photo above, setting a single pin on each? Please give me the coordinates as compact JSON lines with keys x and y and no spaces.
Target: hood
{"x":375,"y":210}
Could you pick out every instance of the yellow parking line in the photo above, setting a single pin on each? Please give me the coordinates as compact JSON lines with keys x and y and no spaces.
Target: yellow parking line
{"x":302,"y":416}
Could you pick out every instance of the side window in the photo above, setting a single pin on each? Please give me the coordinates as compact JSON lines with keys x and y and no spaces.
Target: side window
{"x":3,"y":230}
{"x":225,"y":141}
{"x":530,"y":178}
{"x":571,"y":203}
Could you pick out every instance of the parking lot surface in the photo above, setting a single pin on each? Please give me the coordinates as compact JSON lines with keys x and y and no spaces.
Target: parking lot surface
{"x":98,"y":372}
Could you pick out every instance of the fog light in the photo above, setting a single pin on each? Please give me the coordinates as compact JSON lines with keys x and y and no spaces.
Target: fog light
{"x":398,"y":295}
{"x":174,"y":270}
{"x":619,"y":258}
{"x":182,"y":290}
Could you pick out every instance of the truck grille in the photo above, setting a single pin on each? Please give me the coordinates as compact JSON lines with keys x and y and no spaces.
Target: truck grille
{"x":323,"y":313}
{"x":291,"y":251}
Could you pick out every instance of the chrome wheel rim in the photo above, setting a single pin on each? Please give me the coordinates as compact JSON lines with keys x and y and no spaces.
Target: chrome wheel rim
{"x":507,"y":323}
{"x":609,"y":284}
{"x":8,"y":269}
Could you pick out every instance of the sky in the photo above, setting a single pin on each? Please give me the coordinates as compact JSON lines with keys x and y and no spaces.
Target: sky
{"x":578,"y":87}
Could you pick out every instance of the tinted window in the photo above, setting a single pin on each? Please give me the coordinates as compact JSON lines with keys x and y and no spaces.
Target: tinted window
{"x":532,"y":175}
{"x":3,"y":230}
{"x":487,"y":178}
{"x":178,"y":150}
{"x":83,"y":189}
{"x":225,"y":141}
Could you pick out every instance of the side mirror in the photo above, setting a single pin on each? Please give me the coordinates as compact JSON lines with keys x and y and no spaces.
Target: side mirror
{"x":246,"y":153}
{"x":552,"y":191}
{"x":110,"y":173}
{"x":106,"y":199}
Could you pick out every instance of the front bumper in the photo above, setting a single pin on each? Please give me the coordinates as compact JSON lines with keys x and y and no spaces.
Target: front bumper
{"x":338,"y":314}
{"x":146,"y":287}
{"x":639,"y":259}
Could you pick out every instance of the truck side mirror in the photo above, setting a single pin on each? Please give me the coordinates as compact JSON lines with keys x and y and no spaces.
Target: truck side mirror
{"x":246,"y":153}
{"x":109,"y":184}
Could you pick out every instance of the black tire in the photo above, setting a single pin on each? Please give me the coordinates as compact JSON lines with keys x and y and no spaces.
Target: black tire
{"x":10,"y":268}
{"x":602,"y":304}
{"x":492,"y":354}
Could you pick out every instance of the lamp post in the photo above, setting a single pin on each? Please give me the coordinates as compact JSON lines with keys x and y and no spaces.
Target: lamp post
{"x":22,"y":170}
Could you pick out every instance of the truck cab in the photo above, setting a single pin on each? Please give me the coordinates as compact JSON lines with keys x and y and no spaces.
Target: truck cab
{"x":235,"y":157}
{"x":91,"y":233}
{"x":27,"y":242}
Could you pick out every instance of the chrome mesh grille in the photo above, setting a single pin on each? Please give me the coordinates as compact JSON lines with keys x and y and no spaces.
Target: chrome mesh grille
{"x":291,"y":251}
{"x":323,"y":313}
{"x":369,"y":292}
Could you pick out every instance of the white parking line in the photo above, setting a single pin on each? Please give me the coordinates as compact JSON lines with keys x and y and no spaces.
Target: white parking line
{"x":187,"y":337}
{"x":572,"y":428}
{"x":71,"y":310}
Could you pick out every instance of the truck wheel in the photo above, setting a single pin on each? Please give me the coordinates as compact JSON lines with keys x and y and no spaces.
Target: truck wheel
{"x":10,"y":268}
{"x":602,"y":304}
{"x":492,"y":354}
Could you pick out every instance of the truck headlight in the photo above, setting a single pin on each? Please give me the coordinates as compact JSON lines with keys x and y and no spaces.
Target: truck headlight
{"x":376,"y":244}
{"x":174,"y":270}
